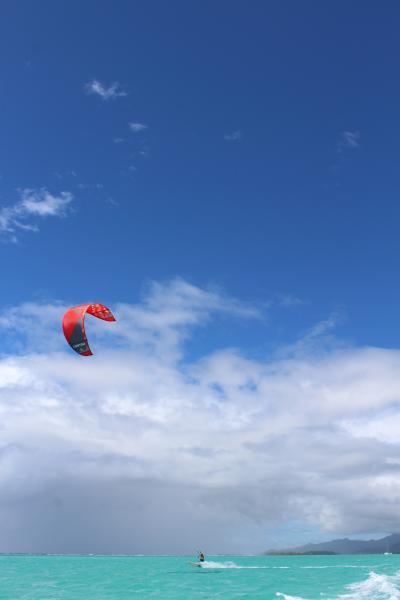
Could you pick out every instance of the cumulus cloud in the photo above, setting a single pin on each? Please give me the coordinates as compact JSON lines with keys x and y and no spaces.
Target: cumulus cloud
{"x":32,"y":206}
{"x":106,"y":93}
{"x":139,"y":449}
{"x":137,"y":127}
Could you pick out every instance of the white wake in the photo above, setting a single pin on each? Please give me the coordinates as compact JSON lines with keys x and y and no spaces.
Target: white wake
{"x":375,"y":587}
{"x":209,"y":564}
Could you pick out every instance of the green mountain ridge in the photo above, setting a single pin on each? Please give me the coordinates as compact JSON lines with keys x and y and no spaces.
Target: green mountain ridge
{"x":390,"y":543}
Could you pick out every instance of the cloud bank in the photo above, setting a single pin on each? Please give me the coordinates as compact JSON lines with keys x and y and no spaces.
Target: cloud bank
{"x":139,"y":449}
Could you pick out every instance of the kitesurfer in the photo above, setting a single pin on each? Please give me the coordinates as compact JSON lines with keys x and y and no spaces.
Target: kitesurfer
{"x":202,"y":558}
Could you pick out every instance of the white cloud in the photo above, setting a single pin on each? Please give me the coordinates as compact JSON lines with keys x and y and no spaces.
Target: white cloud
{"x":349,"y":139}
{"x":33,"y":205}
{"x":289,"y":300}
{"x":136,"y":127}
{"x":138,"y":449}
{"x":90,"y":186}
{"x":144,"y":152}
{"x":235,"y":136}
{"x":106,"y":93}
{"x":43,"y":204}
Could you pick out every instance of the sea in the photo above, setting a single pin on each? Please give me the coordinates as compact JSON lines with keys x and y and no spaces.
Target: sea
{"x":361,"y":577}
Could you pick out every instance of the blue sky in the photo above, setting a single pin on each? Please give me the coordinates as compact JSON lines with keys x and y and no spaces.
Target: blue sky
{"x":278,"y":211}
{"x":247,"y":151}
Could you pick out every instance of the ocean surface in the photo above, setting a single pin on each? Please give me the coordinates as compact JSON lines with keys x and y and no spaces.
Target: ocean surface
{"x":375,"y":577}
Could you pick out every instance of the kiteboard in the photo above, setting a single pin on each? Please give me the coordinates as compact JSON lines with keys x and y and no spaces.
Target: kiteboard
{"x":196,"y":564}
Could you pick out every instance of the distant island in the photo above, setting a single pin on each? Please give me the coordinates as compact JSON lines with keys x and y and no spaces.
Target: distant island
{"x":389,"y":544}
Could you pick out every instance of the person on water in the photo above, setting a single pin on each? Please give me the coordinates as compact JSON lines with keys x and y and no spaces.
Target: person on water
{"x":202,"y":558}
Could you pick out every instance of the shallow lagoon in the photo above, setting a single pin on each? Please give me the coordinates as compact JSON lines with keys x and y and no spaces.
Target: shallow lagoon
{"x":360,"y":577}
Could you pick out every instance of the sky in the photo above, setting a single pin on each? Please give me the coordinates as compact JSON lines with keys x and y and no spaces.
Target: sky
{"x":224,"y":176}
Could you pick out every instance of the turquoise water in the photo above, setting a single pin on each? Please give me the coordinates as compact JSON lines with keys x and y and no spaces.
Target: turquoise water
{"x":223,"y":578}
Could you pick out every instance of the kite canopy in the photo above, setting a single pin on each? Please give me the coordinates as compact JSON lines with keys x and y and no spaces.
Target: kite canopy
{"x":74,"y":325}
